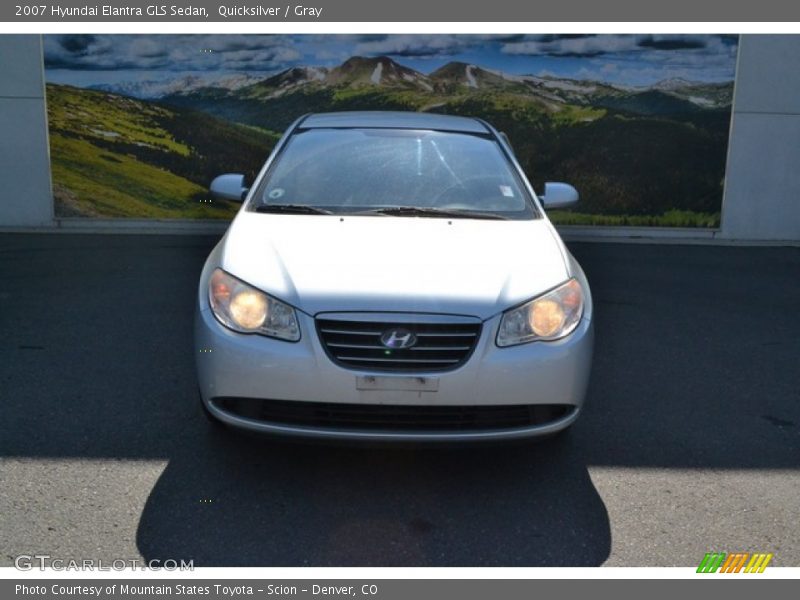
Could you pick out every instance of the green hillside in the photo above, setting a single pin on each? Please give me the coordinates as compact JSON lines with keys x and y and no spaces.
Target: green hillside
{"x":114,"y":156}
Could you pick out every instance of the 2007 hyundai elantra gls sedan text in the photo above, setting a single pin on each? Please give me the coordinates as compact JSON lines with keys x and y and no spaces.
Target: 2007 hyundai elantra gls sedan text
{"x":392,"y":276}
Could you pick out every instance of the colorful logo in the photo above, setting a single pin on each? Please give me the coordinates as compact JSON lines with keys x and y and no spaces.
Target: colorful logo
{"x":734,"y":563}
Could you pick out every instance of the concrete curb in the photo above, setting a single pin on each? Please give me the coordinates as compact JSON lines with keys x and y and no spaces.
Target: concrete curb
{"x":570,"y":233}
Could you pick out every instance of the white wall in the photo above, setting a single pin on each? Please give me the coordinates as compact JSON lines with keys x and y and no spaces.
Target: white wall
{"x":25,"y":193}
{"x":762,"y":187}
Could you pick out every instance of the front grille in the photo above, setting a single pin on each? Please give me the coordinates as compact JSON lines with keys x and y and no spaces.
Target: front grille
{"x":381,"y":417}
{"x":438,"y":347}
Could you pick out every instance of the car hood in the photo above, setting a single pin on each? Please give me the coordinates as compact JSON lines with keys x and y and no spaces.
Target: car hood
{"x":322,"y":263}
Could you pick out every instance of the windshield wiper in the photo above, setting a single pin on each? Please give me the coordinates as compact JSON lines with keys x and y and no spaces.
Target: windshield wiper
{"x":419,"y":211}
{"x":292,"y":209}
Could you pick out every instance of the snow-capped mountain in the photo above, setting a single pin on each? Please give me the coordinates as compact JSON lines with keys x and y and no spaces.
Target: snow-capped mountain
{"x":152,"y":89}
{"x":378,"y":71}
{"x":454,"y":78}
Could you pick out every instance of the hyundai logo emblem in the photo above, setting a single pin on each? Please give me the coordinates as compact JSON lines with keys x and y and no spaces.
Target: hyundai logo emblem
{"x":398,"y":338}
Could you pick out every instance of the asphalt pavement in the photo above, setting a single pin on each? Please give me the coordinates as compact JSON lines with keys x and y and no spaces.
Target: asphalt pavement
{"x":690,"y":440}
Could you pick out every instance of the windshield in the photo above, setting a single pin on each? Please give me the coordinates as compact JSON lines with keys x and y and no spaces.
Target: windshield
{"x":422,"y":172}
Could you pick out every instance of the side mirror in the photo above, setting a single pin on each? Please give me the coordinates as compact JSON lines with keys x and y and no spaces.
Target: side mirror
{"x":229,"y":187}
{"x":559,"y":195}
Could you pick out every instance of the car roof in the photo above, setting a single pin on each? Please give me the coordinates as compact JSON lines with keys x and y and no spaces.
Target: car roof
{"x":393,"y":120}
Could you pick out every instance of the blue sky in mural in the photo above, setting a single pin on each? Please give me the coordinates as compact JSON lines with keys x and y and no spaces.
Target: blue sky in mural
{"x":633,"y":60}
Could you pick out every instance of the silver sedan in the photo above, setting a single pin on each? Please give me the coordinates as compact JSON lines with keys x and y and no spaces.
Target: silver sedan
{"x":393,"y":276}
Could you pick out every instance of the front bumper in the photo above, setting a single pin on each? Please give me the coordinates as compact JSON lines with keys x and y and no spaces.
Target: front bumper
{"x":233,"y":365}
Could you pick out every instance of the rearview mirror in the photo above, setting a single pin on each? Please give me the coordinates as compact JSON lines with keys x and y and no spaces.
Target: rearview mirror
{"x":229,"y":187}
{"x":559,"y":195}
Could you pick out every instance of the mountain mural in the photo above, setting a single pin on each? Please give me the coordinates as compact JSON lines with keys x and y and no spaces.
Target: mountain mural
{"x":117,"y":156}
{"x":639,"y":154}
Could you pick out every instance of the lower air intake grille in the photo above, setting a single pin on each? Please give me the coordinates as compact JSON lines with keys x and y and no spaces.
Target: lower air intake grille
{"x":430,"y":346}
{"x":381,"y":417}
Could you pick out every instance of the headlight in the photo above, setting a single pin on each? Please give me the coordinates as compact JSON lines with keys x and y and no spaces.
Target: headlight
{"x":243,"y":308}
{"x":548,"y":317}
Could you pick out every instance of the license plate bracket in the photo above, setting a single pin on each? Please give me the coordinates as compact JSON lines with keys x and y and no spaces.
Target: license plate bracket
{"x":397,"y":383}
